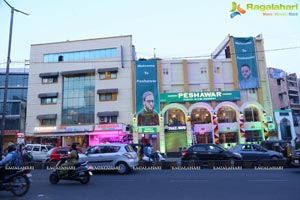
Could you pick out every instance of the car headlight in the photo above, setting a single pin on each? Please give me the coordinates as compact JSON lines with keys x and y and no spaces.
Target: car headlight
{"x":297,"y":153}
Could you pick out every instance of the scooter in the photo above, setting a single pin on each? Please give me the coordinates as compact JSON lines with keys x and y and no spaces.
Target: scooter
{"x":17,"y":181}
{"x":79,"y":172}
{"x":160,"y":157}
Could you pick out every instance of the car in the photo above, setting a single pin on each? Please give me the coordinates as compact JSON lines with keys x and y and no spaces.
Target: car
{"x":111,"y":156}
{"x":205,"y":152}
{"x":295,"y":158}
{"x":54,"y":154}
{"x":256,"y":152}
{"x":38,"y":151}
{"x":281,"y":146}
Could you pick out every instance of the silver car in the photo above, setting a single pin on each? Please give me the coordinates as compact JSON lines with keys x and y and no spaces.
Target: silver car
{"x":120,"y":157}
{"x":38,"y":151}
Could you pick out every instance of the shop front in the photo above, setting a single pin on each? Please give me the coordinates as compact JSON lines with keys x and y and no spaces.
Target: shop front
{"x":62,"y":135}
{"x":109,"y":133}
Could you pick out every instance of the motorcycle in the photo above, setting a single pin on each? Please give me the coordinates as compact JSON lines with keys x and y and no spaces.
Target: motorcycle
{"x":79,"y":172}
{"x":17,"y":181}
{"x":157,"y":154}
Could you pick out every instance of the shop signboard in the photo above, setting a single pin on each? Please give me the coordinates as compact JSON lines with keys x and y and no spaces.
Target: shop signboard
{"x":175,"y":128}
{"x":108,"y":127}
{"x":148,"y":130}
{"x":200,"y":96}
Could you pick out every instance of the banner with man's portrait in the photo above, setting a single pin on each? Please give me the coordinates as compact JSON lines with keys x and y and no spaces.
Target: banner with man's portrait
{"x":146,"y":93}
{"x":245,"y":56}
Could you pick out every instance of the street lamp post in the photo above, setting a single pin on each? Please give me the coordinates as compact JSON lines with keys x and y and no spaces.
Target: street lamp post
{"x":6,"y":75}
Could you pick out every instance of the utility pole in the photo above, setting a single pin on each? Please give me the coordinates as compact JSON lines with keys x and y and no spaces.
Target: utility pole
{"x":7,"y":75}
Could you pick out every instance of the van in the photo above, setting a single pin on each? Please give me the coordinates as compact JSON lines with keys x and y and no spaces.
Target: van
{"x":38,"y":151}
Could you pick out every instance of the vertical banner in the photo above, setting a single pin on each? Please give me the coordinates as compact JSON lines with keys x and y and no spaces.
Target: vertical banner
{"x":245,"y":56}
{"x":146,"y":93}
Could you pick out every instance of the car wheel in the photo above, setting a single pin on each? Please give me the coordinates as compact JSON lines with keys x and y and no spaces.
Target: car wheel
{"x":122,"y":168}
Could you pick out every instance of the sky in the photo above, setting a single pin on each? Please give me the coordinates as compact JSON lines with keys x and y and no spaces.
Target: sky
{"x":171,"y":28}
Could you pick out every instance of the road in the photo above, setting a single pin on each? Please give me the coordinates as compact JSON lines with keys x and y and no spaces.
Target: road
{"x":174,"y":184}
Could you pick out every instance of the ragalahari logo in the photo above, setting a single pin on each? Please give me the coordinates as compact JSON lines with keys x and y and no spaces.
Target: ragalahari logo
{"x":236,"y":10}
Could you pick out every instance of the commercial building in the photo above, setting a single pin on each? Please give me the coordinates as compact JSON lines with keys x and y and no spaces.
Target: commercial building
{"x":16,"y":102}
{"x":205,"y":100}
{"x":80,"y":91}
{"x":88,"y":91}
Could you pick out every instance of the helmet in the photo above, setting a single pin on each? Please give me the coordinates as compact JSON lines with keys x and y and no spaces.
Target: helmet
{"x":11,"y":147}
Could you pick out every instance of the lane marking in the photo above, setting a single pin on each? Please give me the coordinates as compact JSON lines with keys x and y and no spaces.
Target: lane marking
{"x":268,"y":180}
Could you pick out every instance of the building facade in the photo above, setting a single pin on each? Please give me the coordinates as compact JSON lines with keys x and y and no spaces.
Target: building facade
{"x":284,"y":89}
{"x":80,"y":91}
{"x":15,"y":104}
{"x":206,"y":100}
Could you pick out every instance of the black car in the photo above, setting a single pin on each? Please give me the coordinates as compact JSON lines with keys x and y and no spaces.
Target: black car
{"x":204,"y":152}
{"x":295,"y":158}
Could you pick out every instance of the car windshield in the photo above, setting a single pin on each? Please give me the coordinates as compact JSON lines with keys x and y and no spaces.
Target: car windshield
{"x":129,"y":148}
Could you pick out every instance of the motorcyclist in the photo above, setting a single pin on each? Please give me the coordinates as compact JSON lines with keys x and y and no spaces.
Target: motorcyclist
{"x":9,"y":159}
{"x":72,"y":159}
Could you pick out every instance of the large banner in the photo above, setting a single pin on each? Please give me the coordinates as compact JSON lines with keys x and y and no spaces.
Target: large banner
{"x":146,"y":93}
{"x":245,"y":56}
{"x":276,"y":73}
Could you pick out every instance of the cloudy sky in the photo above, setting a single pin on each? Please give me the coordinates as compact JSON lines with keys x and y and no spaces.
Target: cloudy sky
{"x":175,"y":28}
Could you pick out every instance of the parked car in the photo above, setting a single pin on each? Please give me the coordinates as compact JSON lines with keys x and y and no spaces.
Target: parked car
{"x":208,"y":152}
{"x":256,"y":152}
{"x":281,"y":146}
{"x":295,"y":158}
{"x":38,"y":151}
{"x":120,"y":157}
{"x":54,"y":154}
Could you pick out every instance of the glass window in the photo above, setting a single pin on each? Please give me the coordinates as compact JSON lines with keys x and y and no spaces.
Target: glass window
{"x":251,"y":114}
{"x":226,"y":114}
{"x":81,"y":55}
{"x":48,"y":122}
{"x":49,"y":100}
{"x":78,"y":99}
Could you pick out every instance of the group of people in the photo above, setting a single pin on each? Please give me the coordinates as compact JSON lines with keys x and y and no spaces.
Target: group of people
{"x":147,"y":154}
{"x":11,"y":158}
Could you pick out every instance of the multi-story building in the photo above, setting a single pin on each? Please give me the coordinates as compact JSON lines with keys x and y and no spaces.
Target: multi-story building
{"x":205,"y":100}
{"x":285,"y":99}
{"x":88,"y":90}
{"x":80,"y":91}
{"x":16,"y":102}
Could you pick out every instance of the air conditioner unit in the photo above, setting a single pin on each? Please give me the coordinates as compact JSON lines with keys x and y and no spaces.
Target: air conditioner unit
{"x":104,"y":119}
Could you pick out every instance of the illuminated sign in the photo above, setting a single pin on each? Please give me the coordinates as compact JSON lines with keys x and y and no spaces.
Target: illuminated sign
{"x":175,"y":128}
{"x":200,"y":96}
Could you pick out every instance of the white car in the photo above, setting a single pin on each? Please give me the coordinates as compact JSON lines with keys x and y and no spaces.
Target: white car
{"x":38,"y":151}
{"x":120,"y":157}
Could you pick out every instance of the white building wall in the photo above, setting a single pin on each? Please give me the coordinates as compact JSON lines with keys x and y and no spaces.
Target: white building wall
{"x":123,"y":81}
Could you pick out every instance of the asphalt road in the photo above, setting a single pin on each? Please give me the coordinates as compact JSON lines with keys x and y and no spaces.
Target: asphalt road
{"x":174,"y":184}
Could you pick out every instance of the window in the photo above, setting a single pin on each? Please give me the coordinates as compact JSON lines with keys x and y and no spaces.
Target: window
{"x":49,"y":100}
{"x":108,"y":97}
{"x":108,"y":119}
{"x":203,"y":70}
{"x":81,"y":55}
{"x":48,"y":122}
{"x":46,"y":80}
{"x":78,"y":101}
{"x":165,"y":71}
{"x":251,"y":114}
{"x":107,"y":75}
